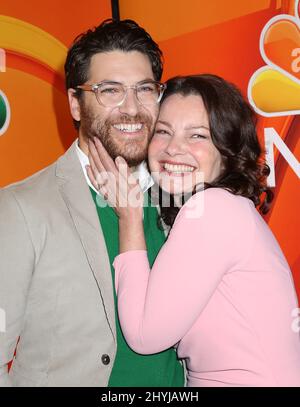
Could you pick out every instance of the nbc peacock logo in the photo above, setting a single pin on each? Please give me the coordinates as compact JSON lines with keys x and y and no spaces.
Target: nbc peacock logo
{"x":4,"y":105}
{"x":274,"y":90}
{"x":4,"y":113}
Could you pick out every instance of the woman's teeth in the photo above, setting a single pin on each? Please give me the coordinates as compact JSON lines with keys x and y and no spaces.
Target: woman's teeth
{"x":178,"y":168}
{"x":128,"y":128}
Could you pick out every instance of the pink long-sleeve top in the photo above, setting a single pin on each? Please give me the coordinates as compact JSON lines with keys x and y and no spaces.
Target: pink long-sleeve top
{"x":221,"y":291}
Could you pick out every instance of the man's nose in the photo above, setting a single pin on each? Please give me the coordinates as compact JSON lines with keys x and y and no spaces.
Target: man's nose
{"x":131,"y":105}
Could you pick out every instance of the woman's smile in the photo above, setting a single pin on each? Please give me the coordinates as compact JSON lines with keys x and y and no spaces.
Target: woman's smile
{"x":176,"y":169}
{"x":181,"y":147}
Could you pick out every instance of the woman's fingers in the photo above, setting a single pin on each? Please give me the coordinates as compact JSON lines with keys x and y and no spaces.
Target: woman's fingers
{"x":122,"y":168}
{"x":99,"y":183}
{"x":103,"y":157}
{"x":96,"y":171}
{"x":97,"y":178}
{"x":104,"y":182}
{"x":91,"y":176}
{"x":130,"y":193}
{"x":113,"y":178}
{"x":94,"y":157}
{"x":92,"y":166}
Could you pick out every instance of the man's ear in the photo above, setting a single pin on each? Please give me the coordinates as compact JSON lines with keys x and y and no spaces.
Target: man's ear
{"x":74,"y":104}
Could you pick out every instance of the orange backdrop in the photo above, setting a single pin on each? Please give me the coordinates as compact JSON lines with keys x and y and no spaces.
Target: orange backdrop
{"x":35,"y":36}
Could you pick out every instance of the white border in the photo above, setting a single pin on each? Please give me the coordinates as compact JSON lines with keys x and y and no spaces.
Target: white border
{"x":8,"y":115}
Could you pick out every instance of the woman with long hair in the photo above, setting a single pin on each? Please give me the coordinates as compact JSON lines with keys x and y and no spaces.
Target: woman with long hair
{"x":220,"y":289}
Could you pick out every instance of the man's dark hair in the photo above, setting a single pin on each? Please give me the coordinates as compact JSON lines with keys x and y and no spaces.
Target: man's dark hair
{"x":110,"y":35}
{"x":232,"y":127}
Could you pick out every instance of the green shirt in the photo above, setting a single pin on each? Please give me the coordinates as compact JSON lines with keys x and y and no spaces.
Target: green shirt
{"x":132,"y":369}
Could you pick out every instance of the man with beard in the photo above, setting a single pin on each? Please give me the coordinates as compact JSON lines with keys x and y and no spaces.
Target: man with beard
{"x":58,"y":240}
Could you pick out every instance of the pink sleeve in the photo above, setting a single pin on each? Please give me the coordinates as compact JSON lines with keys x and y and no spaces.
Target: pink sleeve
{"x":157,"y":309}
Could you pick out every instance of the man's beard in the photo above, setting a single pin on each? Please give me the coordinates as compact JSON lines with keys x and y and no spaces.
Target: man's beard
{"x":133,"y":151}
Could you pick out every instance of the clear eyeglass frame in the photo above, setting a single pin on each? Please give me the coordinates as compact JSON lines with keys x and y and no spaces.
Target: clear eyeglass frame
{"x":96,"y":86}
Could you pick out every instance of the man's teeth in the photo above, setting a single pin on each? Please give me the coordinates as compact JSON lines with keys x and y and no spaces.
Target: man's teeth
{"x":178,"y":168}
{"x":130,"y":128}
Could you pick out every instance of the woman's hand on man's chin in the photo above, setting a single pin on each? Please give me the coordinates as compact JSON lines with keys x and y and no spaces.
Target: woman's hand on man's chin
{"x":115,"y":182}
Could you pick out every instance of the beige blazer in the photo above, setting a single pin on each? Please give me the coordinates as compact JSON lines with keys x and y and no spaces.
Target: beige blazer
{"x":55,"y":282}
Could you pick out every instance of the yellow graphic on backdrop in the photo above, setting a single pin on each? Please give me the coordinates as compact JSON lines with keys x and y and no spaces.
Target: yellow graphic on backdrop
{"x":28,"y":40}
{"x":274,"y":90}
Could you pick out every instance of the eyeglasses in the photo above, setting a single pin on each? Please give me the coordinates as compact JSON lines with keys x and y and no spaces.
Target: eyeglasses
{"x":112,"y":94}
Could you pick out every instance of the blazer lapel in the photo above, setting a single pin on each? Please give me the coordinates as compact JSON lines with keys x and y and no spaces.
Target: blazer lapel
{"x":78,"y":199}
